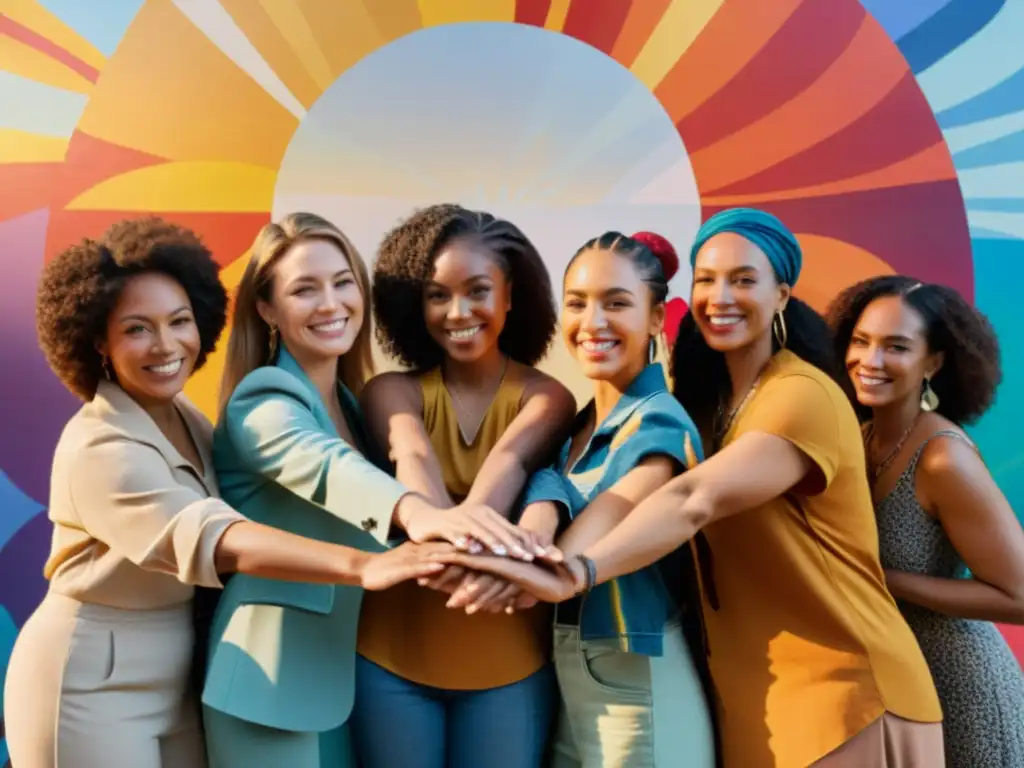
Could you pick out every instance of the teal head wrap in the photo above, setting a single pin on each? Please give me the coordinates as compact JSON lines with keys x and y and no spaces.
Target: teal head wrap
{"x":763,"y":230}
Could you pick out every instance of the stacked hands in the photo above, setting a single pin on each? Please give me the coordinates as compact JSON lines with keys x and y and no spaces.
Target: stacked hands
{"x":483,"y":561}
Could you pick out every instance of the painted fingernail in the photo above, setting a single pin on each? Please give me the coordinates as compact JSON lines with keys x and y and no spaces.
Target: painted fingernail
{"x":460,"y":543}
{"x":541,"y":552}
{"x":499,"y":550}
{"x":471,"y":609}
{"x":475,"y":548}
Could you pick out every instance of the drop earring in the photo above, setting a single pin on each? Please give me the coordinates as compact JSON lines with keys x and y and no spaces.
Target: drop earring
{"x":652,"y":350}
{"x":105,"y":363}
{"x":929,"y":400}
{"x":272,"y":344}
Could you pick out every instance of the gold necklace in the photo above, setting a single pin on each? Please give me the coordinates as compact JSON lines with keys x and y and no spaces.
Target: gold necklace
{"x":726,"y":421}
{"x":875,"y":470}
{"x":726,"y":424}
{"x":460,"y":407}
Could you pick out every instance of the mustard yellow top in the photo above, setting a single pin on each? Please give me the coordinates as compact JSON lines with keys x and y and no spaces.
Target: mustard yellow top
{"x":407,"y":629}
{"x":807,"y":647}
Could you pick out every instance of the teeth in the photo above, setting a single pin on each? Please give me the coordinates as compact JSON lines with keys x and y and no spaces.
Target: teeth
{"x":334,"y":325}
{"x":871,"y":381}
{"x":464,"y":333}
{"x":166,"y":368}
{"x":597,"y":346}
{"x":724,"y":320}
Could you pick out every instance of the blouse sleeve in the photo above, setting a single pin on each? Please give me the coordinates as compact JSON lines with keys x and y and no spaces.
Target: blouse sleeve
{"x":799,"y":409}
{"x":655,"y":432}
{"x":125,"y":495}
{"x":276,"y":435}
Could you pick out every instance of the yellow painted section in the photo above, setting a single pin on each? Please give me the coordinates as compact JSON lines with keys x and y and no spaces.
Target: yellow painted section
{"x":557,"y":13}
{"x":295,"y":29}
{"x":203,"y":387}
{"x":34,"y":16}
{"x":436,"y":12}
{"x":23,"y":147}
{"x":25,"y":61}
{"x":171,"y":92}
{"x":187,"y":186}
{"x":680,"y":25}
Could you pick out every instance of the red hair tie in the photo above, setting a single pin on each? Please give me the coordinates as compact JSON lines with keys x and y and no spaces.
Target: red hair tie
{"x":662,"y":250}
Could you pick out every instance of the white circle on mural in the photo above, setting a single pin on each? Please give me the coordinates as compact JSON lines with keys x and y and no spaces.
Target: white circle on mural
{"x":530,"y":125}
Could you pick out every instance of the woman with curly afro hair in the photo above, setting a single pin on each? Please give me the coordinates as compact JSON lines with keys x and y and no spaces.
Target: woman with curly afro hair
{"x":463,"y":299}
{"x":100,"y":672}
{"x":923,"y":363}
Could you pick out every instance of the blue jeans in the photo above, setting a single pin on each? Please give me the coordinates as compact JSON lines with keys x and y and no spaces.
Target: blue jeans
{"x":396,"y":722}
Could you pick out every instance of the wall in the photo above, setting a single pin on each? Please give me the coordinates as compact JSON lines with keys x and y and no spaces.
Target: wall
{"x":888,"y":134}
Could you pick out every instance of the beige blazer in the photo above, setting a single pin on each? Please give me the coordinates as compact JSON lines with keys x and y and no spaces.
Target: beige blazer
{"x":135,"y":525}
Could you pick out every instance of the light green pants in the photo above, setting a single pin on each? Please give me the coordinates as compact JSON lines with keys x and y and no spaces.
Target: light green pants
{"x":621,"y":710}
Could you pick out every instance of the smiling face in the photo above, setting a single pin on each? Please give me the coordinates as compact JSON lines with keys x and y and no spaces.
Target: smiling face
{"x":607,"y":317}
{"x":152,"y":339}
{"x":735,"y":293}
{"x":315,"y":301}
{"x":467,"y":300}
{"x":888,"y":357}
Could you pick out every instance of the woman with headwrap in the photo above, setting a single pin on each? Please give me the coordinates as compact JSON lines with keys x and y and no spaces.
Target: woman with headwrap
{"x":811,"y":660}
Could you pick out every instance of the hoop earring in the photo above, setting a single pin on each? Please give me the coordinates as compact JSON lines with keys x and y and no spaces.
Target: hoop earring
{"x":779,"y":329}
{"x":272,"y":344}
{"x":929,"y":400}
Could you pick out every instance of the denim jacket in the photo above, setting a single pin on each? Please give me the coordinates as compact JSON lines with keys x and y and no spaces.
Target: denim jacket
{"x":646,"y":421}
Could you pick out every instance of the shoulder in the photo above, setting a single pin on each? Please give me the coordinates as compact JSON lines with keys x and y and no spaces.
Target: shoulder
{"x":658,"y":413}
{"x":94,"y":426}
{"x":393,"y":384}
{"x":539,"y":384}
{"x":795,"y":379}
{"x":947,"y":456}
{"x":268,"y":381}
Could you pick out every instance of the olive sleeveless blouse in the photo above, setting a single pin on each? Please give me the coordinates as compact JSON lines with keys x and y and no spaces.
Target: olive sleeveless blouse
{"x":407,"y":629}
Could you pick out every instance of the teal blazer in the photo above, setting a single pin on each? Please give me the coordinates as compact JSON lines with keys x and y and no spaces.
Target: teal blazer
{"x":282,"y":654}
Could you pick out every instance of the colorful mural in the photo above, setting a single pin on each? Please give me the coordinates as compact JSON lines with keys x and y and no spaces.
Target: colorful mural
{"x":889,"y":134}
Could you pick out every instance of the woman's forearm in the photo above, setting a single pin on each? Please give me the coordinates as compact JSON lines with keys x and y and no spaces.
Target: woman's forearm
{"x":656,"y":527}
{"x":963,"y":598}
{"x":499,"y":483}
{"x":592,"y":525}
{"x":416,"y":473}
{"x":270,"y":553}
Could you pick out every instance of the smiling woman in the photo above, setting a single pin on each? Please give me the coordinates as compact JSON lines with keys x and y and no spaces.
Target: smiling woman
{"x":463,"y":298}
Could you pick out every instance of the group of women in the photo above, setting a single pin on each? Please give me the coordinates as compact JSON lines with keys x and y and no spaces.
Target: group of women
{"x":450,"y":566}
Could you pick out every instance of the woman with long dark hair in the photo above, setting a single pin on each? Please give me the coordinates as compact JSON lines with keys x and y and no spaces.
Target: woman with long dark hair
{"x":811,"y":660}
{"x":923,"y":363}
{"x":631,"y":688}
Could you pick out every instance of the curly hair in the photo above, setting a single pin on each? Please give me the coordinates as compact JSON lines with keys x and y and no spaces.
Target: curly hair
{"x":78,"y":290}
{"x":971,"y":372}
{"x":405,"y":263}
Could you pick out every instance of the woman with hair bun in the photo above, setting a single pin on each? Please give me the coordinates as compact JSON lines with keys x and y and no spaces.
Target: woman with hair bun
{"x":631,"y":687}
{"x":812,"y":663}
{"x":923,"y":363}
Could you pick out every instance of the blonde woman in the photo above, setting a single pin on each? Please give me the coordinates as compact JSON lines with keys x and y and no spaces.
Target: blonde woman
{"x":291,"y":452}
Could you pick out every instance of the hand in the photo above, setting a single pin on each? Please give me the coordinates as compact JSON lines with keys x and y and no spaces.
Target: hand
{"x":550,"y":585}
{"x":542,"y":518}
{"x":483,"y":592}
{"x":406,"y":561}
{"x":469,"y":523}
{"x":447,"y":580}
